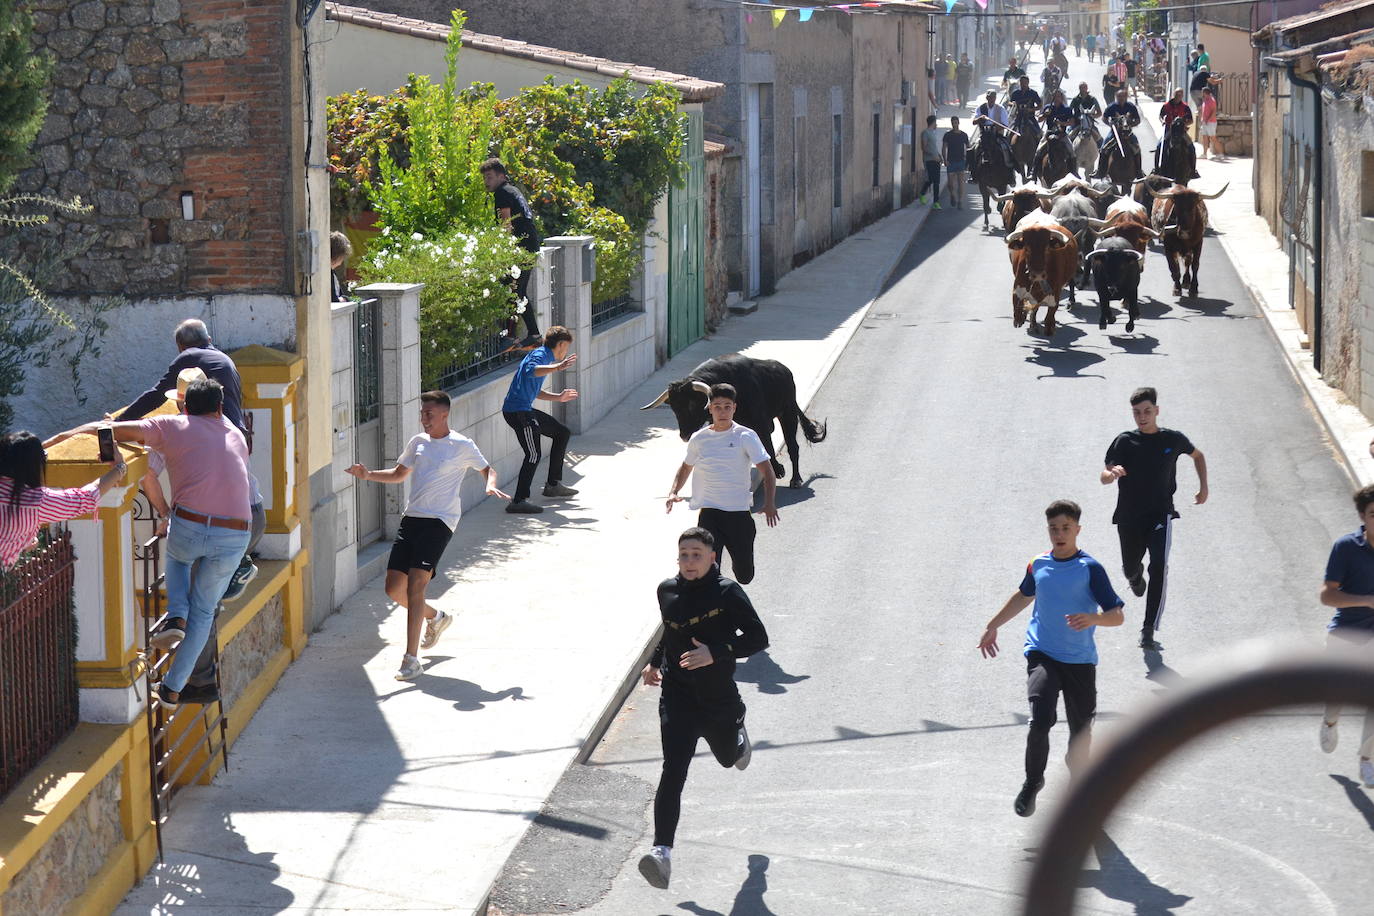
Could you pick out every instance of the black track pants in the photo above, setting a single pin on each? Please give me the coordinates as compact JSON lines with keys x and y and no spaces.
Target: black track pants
{"x":529,"y":426}
{"x":1046,"y":679}
{"x":733,"y":531}
{"x":682,"y":719}
{"x":932,"y":178}
{"x":1150,"y":536}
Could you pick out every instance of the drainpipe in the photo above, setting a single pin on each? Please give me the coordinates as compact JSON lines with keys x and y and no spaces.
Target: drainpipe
{"x":1318,"y":171}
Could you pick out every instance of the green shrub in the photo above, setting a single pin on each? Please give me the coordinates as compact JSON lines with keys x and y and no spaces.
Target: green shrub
{"x":360,"y":126}
{"x":23,"y":82}
{"x":466,"y":294}
{"x":617,"y":251}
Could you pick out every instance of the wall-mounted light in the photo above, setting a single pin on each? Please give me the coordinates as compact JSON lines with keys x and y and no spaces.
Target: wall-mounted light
{"x":188,"y":205}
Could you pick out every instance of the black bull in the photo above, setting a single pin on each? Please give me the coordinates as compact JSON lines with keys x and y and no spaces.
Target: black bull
{"x":765,"y":390}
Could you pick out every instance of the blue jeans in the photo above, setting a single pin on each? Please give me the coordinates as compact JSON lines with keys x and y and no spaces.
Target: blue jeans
{"x":194,"y":597}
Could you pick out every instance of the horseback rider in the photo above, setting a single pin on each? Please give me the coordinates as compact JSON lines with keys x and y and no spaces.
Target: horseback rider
{"x":1024,"y":97}
{"x":1176,"y":110}
{"x":994,"y":123}
{"x":1012,"y":74}
{"x":1051,"y":76}
{"x":1058,"y":117}
{"x":1085,"y":104}
{"x":1125,"y":116}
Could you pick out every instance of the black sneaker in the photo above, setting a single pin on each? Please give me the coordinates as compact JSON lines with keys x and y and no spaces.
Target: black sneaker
{"x":164,"y":697}
{"x":1138,"y":585}
{"x":169,"y":634}
{"x":746,"y":752}
{"x":247,"y":572}
{"x":1147,"y":642}
{"x":1025,"y":799}
{"x":524,"y":507}
{"x":198,"y":696}
{"x":557,"y":490}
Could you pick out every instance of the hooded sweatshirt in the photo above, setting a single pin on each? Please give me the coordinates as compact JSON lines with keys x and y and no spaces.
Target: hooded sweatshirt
{"x":715,"y":611}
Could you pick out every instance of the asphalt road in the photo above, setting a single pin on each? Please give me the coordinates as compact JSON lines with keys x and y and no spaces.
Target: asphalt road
{"x":888,"y":752}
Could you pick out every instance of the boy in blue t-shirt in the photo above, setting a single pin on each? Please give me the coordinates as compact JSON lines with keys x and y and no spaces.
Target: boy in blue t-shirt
{"x":1072,"y":595}
{"x":1349,"y":588}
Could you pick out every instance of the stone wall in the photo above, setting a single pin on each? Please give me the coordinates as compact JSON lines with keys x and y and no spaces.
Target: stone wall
{"x":714,"y":215}
{"x":249,"y":652}
{"x":153,"y":98}
{"x":63,"y":868}
{"x":1237,"y":135}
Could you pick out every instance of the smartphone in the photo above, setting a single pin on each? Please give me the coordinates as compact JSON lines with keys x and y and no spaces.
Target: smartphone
{"x":105,"y":436}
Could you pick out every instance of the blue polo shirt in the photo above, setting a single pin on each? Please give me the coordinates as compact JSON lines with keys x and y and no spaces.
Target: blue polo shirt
{"x":524,"y":387}
{"x":1077,"y":585}
{"x":1351,"y":566}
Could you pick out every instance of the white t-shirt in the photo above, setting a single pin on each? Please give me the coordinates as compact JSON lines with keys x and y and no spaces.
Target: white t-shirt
{"x":436,"y":478}
{"x":720,"y":467}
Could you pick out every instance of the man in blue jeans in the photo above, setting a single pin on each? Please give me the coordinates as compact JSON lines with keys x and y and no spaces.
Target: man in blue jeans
{"x":530,"y":425}
{"x":1349,"y":589}
{"x":207,"y":461}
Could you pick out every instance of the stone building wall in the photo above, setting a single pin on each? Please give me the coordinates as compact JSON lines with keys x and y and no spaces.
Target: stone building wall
{"x":151,"y":98}
{"x":248,"y":654}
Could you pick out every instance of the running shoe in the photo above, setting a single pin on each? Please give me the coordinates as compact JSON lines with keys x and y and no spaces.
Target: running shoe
{"x":164,"y":697}
{"x":434,"y":628}
{"x":1138,"y":584}
{"x":1328,"y":736}
{"x":524,"y":507}
{"x":169,"y":634}
{"x":1367,"y":773}
{"x":936,"y":205}
{"x":557,"y":489}
{"x":247,"y":572}
{"x":1025,"y":799}
{"x":198,"y":696}
{"x":746,"y":752}
{"x":922,"y":199}
{"x":1147,"y":642}
{"x":656,"y":867}
{"x":410,"y":668}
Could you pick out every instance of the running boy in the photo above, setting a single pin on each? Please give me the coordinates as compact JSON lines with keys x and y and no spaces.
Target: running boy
{"x":531,"y":425}
{"x":1143,"y":462}
{"x":1349,"y":588}
{"x":708,"y":622}
{"x":722,"y":454}
{"x":1072,"y":595}
{"x":435,"y":462}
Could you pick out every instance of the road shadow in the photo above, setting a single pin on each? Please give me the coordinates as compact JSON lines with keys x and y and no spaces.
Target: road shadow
{"x":1157,"y":671}
{"x":1358,"y":797}
{"x":791,"y":496}
{"x":1212,"y":308}
{"x":1153,"y":309}
{"x":1117,"y":878}
{"x":760,"y":669}
{"x":464,"y":695}
{"x":1061,"y":359}
{"x":749,"y":900}
{"x":1137,"y":344}
{"x":220,"y":872}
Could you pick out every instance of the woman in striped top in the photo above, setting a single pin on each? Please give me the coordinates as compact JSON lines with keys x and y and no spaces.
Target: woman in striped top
{"x":26,"y":505}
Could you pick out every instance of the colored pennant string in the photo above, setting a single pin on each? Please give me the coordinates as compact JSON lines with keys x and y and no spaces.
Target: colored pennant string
{"x":805,"y":15}
{"x":778,"y":16}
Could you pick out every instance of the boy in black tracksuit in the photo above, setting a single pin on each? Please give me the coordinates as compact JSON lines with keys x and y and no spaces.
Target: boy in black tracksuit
{"x":708,"y":622}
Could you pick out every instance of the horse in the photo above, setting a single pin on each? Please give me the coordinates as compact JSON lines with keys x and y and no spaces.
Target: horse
{"x":1061,"y":61}
{"x":1027,"y":139}
{"x":1120,"y":167}
{"x":1085,"y":140}
{"x":1177,"y":158}
{"x":1055,"y":159}
{"x":989,"y":169}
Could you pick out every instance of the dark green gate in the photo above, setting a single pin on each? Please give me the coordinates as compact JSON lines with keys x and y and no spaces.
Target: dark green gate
{"x":687,"y":246}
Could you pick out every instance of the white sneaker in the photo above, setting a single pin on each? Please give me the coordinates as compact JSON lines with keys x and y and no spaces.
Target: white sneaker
{"x":1328,"y":736}
{"x":657,"y":867}
{"x":434,"y":628}
{"x":410,"y":668}
{"x":1367,"y":773}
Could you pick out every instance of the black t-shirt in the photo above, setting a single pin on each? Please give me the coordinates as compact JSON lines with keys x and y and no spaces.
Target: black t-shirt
{"x":955,"y":146}
{"x":1025,"y":96}
{"x":1147,"y":490}
{"x":1130,"y":69}
{"x":508,"y":197}
{"x":963,"y":72}
{"x":1123,"y":109}
{"x":1082,"y":104}
{"x":1200,"y":81}
{"x":1012,"y":74}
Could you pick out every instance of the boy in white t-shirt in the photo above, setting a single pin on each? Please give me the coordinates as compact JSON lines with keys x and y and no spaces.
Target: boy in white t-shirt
{"x":435,"y":462}
{"x":722,"y":454}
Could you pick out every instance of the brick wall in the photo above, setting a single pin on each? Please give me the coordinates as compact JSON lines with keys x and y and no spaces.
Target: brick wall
{"x":151,"y":98}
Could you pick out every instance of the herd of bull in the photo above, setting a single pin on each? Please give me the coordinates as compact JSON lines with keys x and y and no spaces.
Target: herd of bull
{"x":1061,"y":235}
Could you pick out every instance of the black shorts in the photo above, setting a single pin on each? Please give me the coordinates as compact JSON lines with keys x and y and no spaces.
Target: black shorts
{"x":419,"y":544}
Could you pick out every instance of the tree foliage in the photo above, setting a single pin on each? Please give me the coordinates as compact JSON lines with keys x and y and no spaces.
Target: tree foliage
{"x":23,"y":79}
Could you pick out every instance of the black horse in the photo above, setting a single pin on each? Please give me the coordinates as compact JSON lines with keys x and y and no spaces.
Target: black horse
{"x":1027,"y":139}
{"x":988,"y":167}
{"x":1177,"y":158}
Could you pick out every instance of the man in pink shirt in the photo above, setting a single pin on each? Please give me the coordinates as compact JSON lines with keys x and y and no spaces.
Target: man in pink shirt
{"x":1207,"y":124}
{"x":207,"y":460}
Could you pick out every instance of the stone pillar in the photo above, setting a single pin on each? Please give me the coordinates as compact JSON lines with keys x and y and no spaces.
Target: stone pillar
{"x":271,"y":389}
{"x":541,"y":287}
{"x":574,"y":270}
{"x":108,"y":627}
{"x":400,"y":311}
{"x":342,"y":395}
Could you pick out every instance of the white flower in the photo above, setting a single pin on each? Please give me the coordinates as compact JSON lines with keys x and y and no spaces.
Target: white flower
{"x":485,"y":292}
{"x":504,"y":332}
{"x":520,"y":309}
{"x":514,"y":272}
{"x":386,"y":230}
{"x":416,"y":236}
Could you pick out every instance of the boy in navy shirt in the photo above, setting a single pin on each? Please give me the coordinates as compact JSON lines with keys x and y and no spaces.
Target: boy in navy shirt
{"x":1072,"y":595}
{"x":526,"y":387}
{"x":1349,"y":588}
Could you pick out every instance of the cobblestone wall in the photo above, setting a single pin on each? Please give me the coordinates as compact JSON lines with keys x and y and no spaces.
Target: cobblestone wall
{"x":75,"y":853}
{"x":151,"y":98}
{"x":249,"y":652}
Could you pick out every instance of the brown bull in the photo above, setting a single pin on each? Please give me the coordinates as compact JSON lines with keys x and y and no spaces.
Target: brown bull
{"x":1044,"y":257}
{"x":1128,"y":220}
{"x":1020,"y":201}
{"x":1180,"y":216}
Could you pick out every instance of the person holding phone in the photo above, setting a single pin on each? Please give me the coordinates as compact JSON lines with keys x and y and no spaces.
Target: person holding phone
{"x":26,"y":505}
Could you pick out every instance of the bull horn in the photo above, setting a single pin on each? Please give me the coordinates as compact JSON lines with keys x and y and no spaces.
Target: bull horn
{"x":1002,"y":198}
{"x":1098,"y":223}
{"x":1092,"y":192}
{"x":1172,"y":227}
{"x":1063,"y":236}
{"x":1047,"y":199}
{"x":1217,"y":194}
{"x":661,"y":399}
{"x":1138,"y":255}
{"x":1095,"y":252}
{"x":1149,"y":232}
{"x":1015,"y":236}
{"x":1161,"y":195}
{"x":1107,"y":233}
{"x":699,"y":385}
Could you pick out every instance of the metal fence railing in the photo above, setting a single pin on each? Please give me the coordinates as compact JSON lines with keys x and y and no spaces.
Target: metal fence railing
{"x":1235,"y":97}
{"x":38,"y":691}
{"x":603,"y":312}
{"x":490,"y":353}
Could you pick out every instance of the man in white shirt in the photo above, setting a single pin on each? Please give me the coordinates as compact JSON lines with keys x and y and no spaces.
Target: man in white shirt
{"x":435,"y":462}
{"x":722,"y":454}
{"x":997,"y":115}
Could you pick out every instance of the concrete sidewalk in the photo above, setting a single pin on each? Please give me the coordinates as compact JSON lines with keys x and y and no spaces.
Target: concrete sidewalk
{"x":353,"y":791}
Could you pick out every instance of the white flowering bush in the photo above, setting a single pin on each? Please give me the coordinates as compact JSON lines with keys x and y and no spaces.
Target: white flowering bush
{"x":468,"y":277}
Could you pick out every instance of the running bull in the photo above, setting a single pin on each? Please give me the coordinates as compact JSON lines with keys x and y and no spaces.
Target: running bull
{"x":766,"y":390}
{"x":1044,"y":257}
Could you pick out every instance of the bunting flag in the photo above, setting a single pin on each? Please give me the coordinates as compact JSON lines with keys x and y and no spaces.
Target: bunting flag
{"x":778,"y":16}
{"x":949,"y":6}
{"x":805,"y":14}
{"x":983,"y":4}
{"x":749,"y":18}
{"x":845,"y":7}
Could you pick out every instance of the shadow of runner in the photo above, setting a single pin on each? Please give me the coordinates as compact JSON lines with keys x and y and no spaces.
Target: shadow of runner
{"x":464,"y":695}
{"x":1118,"y":879}
{"x":749,"y":900}
{"x":761,"y":670}
{"x":1157,"y":671}
{"x":1358,"y":797}
{"x":220,"y":874}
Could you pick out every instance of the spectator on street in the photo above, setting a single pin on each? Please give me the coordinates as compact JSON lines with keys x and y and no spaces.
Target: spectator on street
{"x":951,"y":75}
{"x":1207,"y":125}
{"x":930,"y":153}
{"x":531,"y":424}
{"x":941,"y":83}
{"x":513,"y":212}
{"x":1349,"y":588}
{"x":1204,"y":60}
{"x":26,"y":505}
{"x":1203,"y":79}
{"x":954,"y":150}
{"x":435,"y":461}
{"x":207,"y":461}
{"x":340,"y":250}
{"x":964,"y":78}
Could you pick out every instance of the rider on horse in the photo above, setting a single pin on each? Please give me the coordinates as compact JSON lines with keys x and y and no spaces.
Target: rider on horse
{"x":1125,"y":116}
{"x":1051,"y":76}
{"x":1176,"y":110}
{"x":1025,"y":96}
{"x":1085,"y":103}
{"x":1058,"y":117}
{"x":993,"y":124}
{"x":1012,"y":75}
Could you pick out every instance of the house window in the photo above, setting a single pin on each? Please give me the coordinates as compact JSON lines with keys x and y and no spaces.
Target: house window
{"x":836,"y":160}
{"x":877,"y":144}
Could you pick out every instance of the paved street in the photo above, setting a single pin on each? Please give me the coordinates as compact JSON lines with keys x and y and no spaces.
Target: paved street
{"x":887,"y":751}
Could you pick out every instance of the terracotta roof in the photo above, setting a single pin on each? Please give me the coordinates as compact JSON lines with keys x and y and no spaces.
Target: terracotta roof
{"x":692,"y":89}
{"x":1326,"y":12}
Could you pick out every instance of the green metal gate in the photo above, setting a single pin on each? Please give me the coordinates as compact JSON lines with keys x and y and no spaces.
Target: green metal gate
{"x":687,"y":246}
